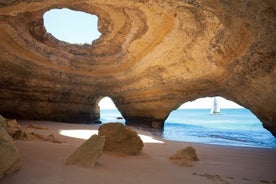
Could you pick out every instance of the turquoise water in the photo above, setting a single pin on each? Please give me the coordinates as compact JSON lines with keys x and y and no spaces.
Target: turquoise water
{"x":234,"y":127}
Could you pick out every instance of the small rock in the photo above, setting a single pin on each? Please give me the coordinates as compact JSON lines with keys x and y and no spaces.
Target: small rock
{"x":157,"y":124}
{"x":120,"y":138}
{"x":19,"y":133}
{"x":16,"y":131}
{"x":52,"y":139}
{"x":185,"y":157}
{"x":12,"y":126}
{"x":88,"y":153}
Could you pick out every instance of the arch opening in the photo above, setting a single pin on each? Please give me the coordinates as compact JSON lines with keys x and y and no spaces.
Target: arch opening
{"x":109,"y":111}
{"x":234,"y":125}
{"x":74,"y":27}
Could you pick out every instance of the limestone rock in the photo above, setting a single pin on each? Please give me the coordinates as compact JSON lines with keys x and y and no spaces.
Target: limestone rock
{"x":152,"y":57}
{"x":13,"y":127}
{"x":88,"y":153}
{"x":19,"y":133}
{"x":119,"y":138}
{"x":9,"y":157}
{"x":37,"y":127}
{"x":185,"y":157}
{"x":52,"y":138}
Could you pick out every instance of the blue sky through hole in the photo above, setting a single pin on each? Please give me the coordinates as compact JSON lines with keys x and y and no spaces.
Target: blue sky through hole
{"x":74,"y":27}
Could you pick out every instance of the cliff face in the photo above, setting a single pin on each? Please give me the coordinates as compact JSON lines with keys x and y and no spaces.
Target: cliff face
{"x":152,"y":57}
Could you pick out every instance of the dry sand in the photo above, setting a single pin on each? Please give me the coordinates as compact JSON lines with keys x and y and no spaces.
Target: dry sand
{"x":43,"y":162}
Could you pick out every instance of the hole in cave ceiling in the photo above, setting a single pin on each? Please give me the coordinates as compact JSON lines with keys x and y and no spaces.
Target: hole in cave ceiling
{"x":74,"y":27}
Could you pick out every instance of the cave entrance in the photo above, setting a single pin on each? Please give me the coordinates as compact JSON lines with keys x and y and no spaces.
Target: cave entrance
{"x":109,"y":111}
{"x":71,"y":26}
{"x":235,"y":125}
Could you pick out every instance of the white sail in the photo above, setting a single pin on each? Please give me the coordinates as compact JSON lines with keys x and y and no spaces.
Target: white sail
{"x":215,"y":109}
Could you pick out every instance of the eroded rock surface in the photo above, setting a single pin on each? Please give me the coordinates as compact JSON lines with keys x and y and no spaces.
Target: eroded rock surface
{"x":152,"y":57}
{"x":9,"y":157}
{"x":17,"y":132}
{"x":88,"y":153}
{"x":185,"y":157}
{"x":119,"y":138}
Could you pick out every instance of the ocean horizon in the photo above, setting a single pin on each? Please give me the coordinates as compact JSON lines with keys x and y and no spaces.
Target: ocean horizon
{"x":232,"y":127}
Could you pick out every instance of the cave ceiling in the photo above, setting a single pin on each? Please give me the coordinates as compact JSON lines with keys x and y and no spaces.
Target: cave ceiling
{"x":151,"y":57}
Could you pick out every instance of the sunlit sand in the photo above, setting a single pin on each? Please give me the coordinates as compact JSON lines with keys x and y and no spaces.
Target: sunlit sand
{"x":85,"y":134}
{"x":44,"y":162}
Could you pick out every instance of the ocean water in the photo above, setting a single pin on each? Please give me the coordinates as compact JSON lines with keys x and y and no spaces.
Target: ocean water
{"x":233,"y":127}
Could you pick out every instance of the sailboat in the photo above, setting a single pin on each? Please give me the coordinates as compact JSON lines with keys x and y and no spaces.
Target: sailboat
{"x":215,"y":109}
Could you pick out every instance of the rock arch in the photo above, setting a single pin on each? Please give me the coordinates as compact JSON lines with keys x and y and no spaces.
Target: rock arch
{"x":152,"y":56}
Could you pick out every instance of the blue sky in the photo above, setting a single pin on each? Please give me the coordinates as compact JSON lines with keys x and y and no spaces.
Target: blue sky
{"x":79,"y":27}
{"x":72,"y":26}
{"x":200,"y":103}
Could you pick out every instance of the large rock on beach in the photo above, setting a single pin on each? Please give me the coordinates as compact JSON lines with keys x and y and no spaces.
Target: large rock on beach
{"x":152,"y":56}
{"x":88,"y":153}
{"x":119,"y":138}
{"x":9,"y":157}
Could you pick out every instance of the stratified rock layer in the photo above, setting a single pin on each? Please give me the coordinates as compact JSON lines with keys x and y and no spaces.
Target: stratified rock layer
{"x":152,"y":57}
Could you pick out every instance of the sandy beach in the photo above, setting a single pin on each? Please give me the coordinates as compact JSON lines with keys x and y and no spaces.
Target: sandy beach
{"x":44,"y":162}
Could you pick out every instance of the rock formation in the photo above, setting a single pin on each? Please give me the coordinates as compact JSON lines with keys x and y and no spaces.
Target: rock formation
{"x":185,"y":157}
{"x":88,"y":153}
{"x":18,"y":132}
{"x":119,"y":138}
{"x":152,"y":56}
{"x":9,"y":157}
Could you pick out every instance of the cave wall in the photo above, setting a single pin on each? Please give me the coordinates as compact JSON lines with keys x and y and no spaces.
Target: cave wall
{"x":152,"y":56}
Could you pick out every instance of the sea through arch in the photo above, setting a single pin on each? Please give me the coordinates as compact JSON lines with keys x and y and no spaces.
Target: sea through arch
{"x":234,"y":125}
{"x":109,"y":111}
{"x":74,"y":27}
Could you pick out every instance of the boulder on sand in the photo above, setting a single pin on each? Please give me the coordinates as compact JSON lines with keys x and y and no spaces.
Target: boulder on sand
{"x":88,"y":153}
{"x":185,"y":157}
{"x":120,"y":138}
